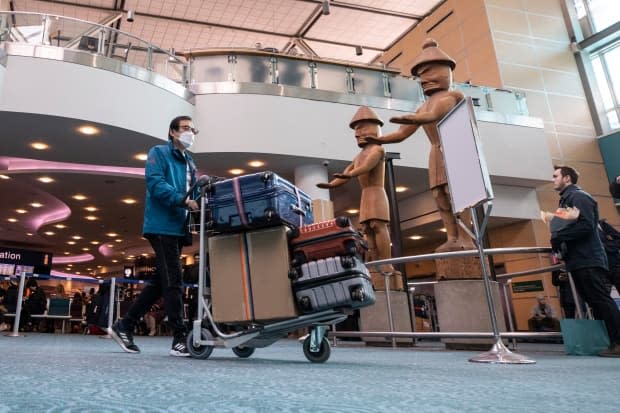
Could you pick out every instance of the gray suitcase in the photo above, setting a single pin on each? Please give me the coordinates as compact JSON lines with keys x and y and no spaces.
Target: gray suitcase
{"x":335,"y":282}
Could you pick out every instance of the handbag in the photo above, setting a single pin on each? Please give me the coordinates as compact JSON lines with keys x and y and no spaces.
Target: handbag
{"x":584,"y":337}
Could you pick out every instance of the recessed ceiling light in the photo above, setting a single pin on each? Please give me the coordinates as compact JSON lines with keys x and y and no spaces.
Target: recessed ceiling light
{"x":99,"y":266}
{"x":443,"y":230}
{"x":110,"y":245}
{"x":78,"y":273}
{"x":2,"y":176}
{"x":49,"y":233}
{"x":79,"y":197}
{"x":131,"y":256}
{"x":352,"y":211}
{"x":118,"y":240}
{"x":401,"y":188}
{"x":12,"y":219}
{"x":91,"y":218}
{"x":36,"y":205}
{"x":115,"y":261}
{"x":256,"y":164}
{"x":415,"y":237}
{"x":71,"y":242}
{"x":236,"y":171}
{"x":145,"y":254}
{"x":91,"y":208}
{"x":66,"y":253}
{"x":69,"y":265}
{"x":21,"y":211}
{"x":85,"y":249}
{"x":45,"y":179}
{"x":29,"y":234}
{"x":39,"y":146}
{"x":76,"y":237}
{"x":128,"y":201}
{"x":88,"y":130}
{"x":60,"y":226}
{"x":112,"y":234}
{"x":140,"y":156}
{"x":94,"y":242}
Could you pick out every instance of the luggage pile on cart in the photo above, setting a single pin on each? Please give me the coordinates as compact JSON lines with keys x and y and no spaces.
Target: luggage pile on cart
{"x":273,"y":271}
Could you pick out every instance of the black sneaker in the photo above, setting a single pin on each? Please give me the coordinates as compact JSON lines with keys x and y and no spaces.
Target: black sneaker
{"x":123,"y":338}
{"x":179,"y":349}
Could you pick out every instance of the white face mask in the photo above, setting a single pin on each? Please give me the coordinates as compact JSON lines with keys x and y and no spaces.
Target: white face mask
{"x":187,"y":139}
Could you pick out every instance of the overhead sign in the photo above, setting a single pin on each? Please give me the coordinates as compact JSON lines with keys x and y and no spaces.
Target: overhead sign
{"x":14,"y":261}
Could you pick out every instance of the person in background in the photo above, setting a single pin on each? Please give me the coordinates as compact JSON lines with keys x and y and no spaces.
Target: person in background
{"x":583,"y":253}
{"x":3,"y":310}
{"x":610,"y":237}
{"x":543,"y":316}
{"x":77,"y":312}
{"x":614,"y":187}
{"x":169,"y":173}
{"x":34,"y":304}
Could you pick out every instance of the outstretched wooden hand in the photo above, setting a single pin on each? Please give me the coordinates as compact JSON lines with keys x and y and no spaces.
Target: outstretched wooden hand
{"x":324,"y":185}
{"x":377,"y":140}
{"x":405,"y":119}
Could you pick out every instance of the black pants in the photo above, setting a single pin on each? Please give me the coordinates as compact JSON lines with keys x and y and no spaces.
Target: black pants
{"x":590,"y":284}
{"x":167,"y":282}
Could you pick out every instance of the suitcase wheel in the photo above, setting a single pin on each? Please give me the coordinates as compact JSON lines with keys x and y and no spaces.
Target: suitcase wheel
{"x":350,"y":248}
{"x":299,"y":258}
{"x":269,"y":213}
{"x":347,"y":262}
{"x":357,"y":293}
{"x":343,"y":222}
{"x":293,"y":274}
{"x":305,"y":304}
{"x":266,"y":176}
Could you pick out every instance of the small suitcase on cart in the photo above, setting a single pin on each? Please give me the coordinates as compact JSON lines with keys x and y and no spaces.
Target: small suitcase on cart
{"x":255,"y":201}
{"x":334,"y":282}
{"x":335,"y":237}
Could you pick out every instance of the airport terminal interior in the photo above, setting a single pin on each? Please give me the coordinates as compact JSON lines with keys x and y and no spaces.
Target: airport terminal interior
{"x":276,"y":88}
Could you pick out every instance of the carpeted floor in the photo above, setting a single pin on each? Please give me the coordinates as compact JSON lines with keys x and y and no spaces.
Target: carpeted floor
{"x":75,"y":373}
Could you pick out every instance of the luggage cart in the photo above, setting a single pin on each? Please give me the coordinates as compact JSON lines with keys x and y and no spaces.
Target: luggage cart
{"x":244,"y":338}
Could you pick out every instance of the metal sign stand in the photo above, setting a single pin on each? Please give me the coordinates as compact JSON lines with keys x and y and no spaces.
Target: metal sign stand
{"x":499,"y":353}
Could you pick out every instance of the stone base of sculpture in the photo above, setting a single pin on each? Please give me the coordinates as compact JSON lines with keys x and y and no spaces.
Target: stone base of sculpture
{"x":375,"y":318}
{"x":458,"y":268}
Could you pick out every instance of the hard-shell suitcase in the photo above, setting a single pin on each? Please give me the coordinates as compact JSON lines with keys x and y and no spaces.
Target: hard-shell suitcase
{"x":257,"y":200}
{"x":334,"y":282}
{"x":335,"y":237}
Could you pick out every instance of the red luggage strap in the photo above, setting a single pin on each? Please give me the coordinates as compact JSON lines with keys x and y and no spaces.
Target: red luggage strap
{"x":239,"y":202}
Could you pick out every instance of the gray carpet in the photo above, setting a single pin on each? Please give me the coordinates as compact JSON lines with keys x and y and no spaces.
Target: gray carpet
{"x":74,"y":373}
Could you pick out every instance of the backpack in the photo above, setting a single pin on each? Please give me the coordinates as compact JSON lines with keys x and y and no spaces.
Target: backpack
{"x":610,"y":237}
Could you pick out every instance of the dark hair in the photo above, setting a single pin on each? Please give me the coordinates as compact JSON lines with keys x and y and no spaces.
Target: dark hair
{"x":174,"y":123}
{"x":568,"y":171}
{"x":32,"y":283}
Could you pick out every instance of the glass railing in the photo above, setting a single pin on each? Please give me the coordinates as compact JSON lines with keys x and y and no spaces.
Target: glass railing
{"x":98,"y":39}
{"x":256,"y":66}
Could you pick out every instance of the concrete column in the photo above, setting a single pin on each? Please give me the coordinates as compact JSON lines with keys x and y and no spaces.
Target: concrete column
{"x":306,"y":178}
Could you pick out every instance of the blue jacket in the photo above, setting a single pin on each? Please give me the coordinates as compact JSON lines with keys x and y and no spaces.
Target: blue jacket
{"x":583,"y":246}
{"x":166,"y":185}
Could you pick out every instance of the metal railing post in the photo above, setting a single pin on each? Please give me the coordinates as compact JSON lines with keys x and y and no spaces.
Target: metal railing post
{"x":18,"y":307}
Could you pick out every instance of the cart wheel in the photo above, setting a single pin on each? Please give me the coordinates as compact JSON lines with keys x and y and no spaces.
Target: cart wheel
{"x":320,"y":356}
{"x":199,"y":352}
{"x":243,"y":352}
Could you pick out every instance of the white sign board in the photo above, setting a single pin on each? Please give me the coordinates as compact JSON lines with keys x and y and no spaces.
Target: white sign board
{"x":468,"y":178}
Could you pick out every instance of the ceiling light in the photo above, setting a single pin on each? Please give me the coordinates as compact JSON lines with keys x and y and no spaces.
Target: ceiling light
{"x":140,"y":156}
{"x":39,"y":146}
{"x":110,"y":245}
{"x":359,"y":51}
{"x":49,"y":233}
{"x":115,"y":261}
{"x":256,"y":164}
{"x":69,"y":265}
{"x":118,"y":240}
{"x":45,"y":179}
{"x":88,"y":130}
{"x":21,"y":211}
{"x":145,"y":254}
{"x":79,"y":197}
{"x":71,"y":242}
{"x":352,"y":211}
{"x":99,"y":266}
{"x":76,"y":237}
{"x":78,"y":273}
{"x":112,"y":234}
{"x":85,"y":249}
{"x":36,"y":205}
{"x":67,"y":253}
{"x":401,"y":188}
{"x":128,"y":201}
{"x":12,"y":219}
{"x":4,"y":176}
{"x":94,"y":242}
{"x":29,"y":234}
{"x":91,"y":208}
{"x":60,"y":226}
{"x":91,"y":218}
{"x":236,"y":171}
{"x":416,"y":237}
{"x":443,"y":230}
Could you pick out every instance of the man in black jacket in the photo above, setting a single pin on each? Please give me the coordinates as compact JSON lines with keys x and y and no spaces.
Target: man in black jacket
{"x":614,"y":187}
{"x":583,"y":253}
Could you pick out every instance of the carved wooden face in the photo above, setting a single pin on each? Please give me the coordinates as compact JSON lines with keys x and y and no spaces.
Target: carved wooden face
{"x":364,"y":129}
{"x":434,"y":77}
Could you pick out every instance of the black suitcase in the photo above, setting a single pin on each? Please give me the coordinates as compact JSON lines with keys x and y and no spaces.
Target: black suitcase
{"x":334,"y":282}
{"x":255,"y":201}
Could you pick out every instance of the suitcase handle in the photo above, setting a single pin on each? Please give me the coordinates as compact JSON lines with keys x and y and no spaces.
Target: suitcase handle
{"x":298,"y":210}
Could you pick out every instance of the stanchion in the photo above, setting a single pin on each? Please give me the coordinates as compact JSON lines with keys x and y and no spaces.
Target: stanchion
{"x":110,"y":307}
{"x":18,"y":307}
{"x":388,"y":302}
{"x":499,"y":353}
